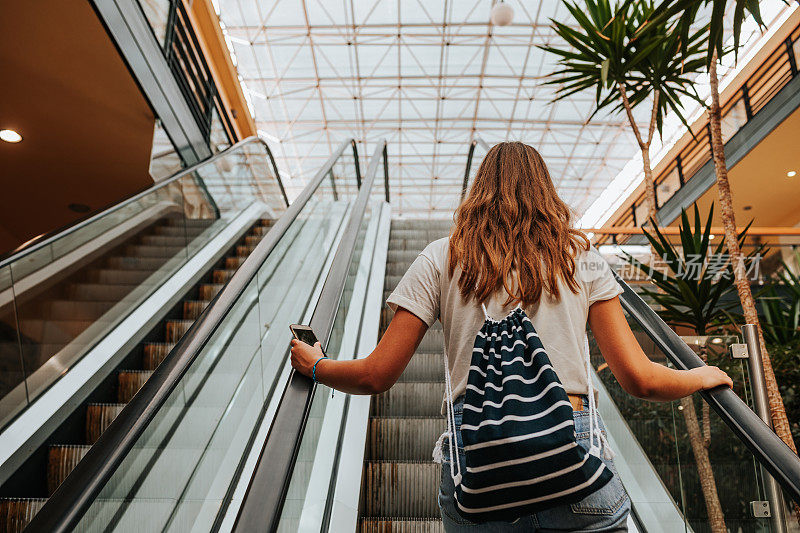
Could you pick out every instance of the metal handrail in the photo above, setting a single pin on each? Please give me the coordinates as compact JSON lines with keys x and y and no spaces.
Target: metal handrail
{"x":766,"y":446}
{"x":64,"y":509}
{"x":48,"y":238}
{"x":266,"y":493}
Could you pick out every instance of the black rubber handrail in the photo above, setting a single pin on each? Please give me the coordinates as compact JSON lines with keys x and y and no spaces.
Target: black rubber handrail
{"x":766,"y":446}
{"x":48,"y":238}
{"x":64,"y":509}
{"x":470,"y":154}
{"x":266,"y":493}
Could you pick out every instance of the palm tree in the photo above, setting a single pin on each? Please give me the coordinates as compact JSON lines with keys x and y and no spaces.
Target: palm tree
{"x":686,"y":12}
{"x":624,"y":69}
{"x":691,"y":291}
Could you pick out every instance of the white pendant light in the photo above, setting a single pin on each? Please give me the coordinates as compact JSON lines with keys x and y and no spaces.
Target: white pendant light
{"x":502,"y":14}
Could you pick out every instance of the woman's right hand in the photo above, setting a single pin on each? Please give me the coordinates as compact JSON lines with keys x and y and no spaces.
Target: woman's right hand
{"x":710,"y":376}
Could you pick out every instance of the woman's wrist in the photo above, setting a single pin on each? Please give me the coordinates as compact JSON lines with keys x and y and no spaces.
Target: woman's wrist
{"x":316,"y":368}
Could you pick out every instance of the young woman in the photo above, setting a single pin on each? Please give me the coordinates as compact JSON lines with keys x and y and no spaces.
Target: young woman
{"x":511,"y":245}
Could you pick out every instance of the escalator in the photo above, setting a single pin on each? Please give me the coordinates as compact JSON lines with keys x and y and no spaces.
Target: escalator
{"x":223,"y":436}
{"x":44,"y":471}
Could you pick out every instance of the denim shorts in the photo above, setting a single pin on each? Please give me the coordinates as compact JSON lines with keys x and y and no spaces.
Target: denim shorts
{"x":603,"y":511}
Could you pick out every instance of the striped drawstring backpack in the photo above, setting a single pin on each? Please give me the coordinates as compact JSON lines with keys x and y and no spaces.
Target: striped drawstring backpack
{"x":520,"y":451}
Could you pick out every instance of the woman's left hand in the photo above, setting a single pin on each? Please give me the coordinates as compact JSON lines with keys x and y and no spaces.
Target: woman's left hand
{"x":304,"y":356}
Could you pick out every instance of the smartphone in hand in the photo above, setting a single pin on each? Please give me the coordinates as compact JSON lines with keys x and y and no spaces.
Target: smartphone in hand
{"x":303,"y":333}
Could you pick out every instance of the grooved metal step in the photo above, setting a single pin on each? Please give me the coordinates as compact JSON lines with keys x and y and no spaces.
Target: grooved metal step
{"x":129,"y":382}
{"x":154,"y":353}
{"x":177,"y":328}
{"x":98,"y":418}
{"x":400,"y":488}
{"x":222,"y":276}
{"x":424,"y":367}
{"x":207,"y":291}
{"x":403,"y":438}
{"x":400,"y":482}
{"x":193,"y":308}
{"x":61,"y":459}
{"x":16,"y":513}
{"x":399,"y":525}
{"x":83,"y":303}
{"x":421,"y":398}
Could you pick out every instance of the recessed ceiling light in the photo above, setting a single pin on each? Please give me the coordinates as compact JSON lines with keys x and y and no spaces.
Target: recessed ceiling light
{"x":711,"y":237}
{"x":791,"y":174}
{"x":10,"y":136}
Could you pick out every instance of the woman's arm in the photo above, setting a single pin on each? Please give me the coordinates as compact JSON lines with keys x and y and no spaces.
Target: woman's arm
{"x":373,"y":374}
{"x":635,"y":372}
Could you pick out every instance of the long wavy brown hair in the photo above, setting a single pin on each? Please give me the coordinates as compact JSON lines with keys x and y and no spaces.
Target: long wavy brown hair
{"x":513,"y":231}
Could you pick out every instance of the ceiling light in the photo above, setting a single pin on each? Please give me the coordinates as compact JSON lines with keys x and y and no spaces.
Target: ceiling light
{"x":502,"y":14}
{"x":10,"y":136}
{"x":711,"y":237}
{"x":791,"y":174}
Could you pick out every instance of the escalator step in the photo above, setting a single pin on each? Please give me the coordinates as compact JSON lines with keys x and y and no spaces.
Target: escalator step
{"x":193,"y":308}
{"x":154,"y":353}
{"x":234,"y":262}
{"x":127,"y":262}
{"x":85,"y":310}
{"x":261,"y":230}
{"x":244,"y":250}
{"x":61,"y":459}
{"x":164,"y":252}
{"x":118,"y":276}
{"x":207,"y":291}
{"x":433,"y":341}
{"x":53,"y":331}
{"x":443,"y":224}
{"x":400,"y":488}
{"x":178,"y":231}
{"x":98,"y":291}
{"x":252,"y":240}
{"x":129,"y":382}
{"x":177,"y":328}
{"x":98,"y":418}
{"x":16,"y":513}
{"x":403,"y":438}
{"x":399,"y":525}
{"x":401,"y":256}
{"x":409,"y":244}
{"x":222,"y":276}
{"x":424,"y":367}
{"x":409,"y":399}
{"x":178,"y":241}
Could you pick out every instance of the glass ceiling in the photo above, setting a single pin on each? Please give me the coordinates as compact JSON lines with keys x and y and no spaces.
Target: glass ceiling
{"x":427,"y":75}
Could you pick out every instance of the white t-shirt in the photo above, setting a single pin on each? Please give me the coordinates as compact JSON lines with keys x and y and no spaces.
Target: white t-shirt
{"x":429,"y":292}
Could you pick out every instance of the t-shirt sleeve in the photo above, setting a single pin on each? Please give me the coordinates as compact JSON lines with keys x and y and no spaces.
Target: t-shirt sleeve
{"x":602,"y":285}
{"x":418,"y":290}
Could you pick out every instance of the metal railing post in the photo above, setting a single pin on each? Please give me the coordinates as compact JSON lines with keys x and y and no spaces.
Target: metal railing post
{"x":761,"y":404}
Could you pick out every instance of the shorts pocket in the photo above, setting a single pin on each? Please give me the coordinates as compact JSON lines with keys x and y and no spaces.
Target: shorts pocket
{"x":447,"y":502}
{"x":605,"y":501}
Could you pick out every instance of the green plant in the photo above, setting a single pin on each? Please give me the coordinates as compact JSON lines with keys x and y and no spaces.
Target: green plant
{"x":695,"y":279}
{"x":781,"y":309}
{"x":686,"y":12}
{"x":690,"y":289}
{"x":624,"y":67}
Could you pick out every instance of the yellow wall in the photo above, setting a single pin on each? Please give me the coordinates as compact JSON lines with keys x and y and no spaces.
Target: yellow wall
{"x":206,"y":25}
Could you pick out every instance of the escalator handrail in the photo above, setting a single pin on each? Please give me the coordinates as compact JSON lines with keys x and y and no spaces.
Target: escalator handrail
{"x":48,"y":238}
{"x":766,"y":446}
{"x":266,"y":493}
{"x":475,"y":141}
{"x":64,"y":509}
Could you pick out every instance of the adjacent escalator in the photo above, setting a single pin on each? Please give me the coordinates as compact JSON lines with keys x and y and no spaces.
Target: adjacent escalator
{"x":167,"y":449}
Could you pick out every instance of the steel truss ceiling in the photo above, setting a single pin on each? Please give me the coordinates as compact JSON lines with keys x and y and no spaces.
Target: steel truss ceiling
{"x":428,"y":75}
